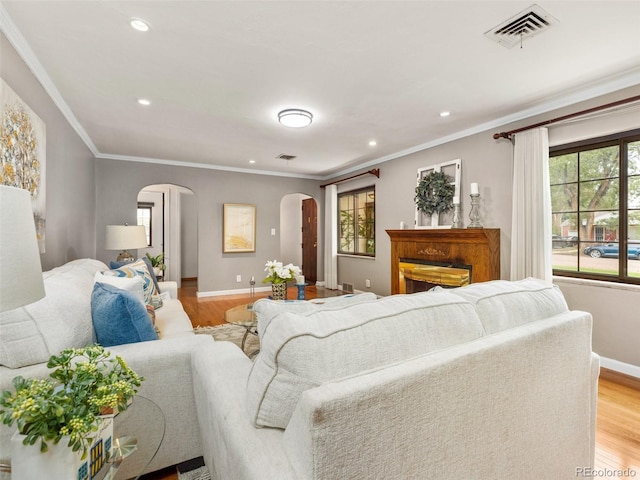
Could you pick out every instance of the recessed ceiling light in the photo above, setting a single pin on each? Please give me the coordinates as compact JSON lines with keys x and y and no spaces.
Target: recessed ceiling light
{"x":372,"y":143}
{"x":139,"y":24}
{"x":295,"y":117}
{"x":252,"y":161}
{"x":144,"y":101}
{"x":445,"y":114}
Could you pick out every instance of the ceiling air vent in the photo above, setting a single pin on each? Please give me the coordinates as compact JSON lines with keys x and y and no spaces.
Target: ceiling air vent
{"x":284,"y":156}
{"x":525,"y":24}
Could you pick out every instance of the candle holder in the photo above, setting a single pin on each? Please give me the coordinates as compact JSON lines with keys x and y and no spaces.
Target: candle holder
{"x":457,"y":216}
{"x":301,"y":290}
{"x":474,"y":214}
{"x":252,"y":293}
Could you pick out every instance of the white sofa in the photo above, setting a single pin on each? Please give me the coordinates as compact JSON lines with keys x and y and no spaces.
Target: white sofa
{"x":28,"y":336}
{"x":489,"y":381}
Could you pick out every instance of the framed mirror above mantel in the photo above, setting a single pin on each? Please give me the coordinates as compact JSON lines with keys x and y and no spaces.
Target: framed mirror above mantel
{"x":476,"y":250}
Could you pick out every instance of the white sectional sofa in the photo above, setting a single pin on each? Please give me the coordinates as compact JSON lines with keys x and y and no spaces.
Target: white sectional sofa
{"x":29,"y":335}
{"x":489,"y":381}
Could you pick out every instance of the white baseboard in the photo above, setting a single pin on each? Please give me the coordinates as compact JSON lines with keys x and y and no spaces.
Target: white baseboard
{"x":219,"y":293}
{"x":621,"y":367}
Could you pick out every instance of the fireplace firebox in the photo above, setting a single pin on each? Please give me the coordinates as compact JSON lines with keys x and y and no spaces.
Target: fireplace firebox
{"x":420,"y":275}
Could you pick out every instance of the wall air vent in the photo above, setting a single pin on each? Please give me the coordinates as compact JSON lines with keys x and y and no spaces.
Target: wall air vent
{"x":525,"y":24}
{"x":284,"y":156}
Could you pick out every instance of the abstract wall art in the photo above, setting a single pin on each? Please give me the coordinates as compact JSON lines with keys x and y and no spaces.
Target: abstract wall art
{"x":23,"y":153}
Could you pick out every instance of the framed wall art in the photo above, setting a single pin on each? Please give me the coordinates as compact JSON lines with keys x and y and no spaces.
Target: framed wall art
{"x":239,"y":228}
{"x":23,"y":153}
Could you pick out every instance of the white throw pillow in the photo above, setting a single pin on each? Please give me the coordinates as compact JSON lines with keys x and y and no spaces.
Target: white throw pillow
{"x":502,"y":304}
{"x":135,"y":285}
{"x":301,"y":351}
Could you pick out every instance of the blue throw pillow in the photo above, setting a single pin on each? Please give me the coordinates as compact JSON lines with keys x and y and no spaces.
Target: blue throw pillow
{"x":119,"y":317}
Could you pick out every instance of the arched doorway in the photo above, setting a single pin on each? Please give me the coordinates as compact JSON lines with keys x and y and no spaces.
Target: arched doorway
{"x":171,"y":212}
{"x":299,"y":233}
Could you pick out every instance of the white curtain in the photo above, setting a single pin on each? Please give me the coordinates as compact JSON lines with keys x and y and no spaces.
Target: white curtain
{"x":331,"y":236}
{"x":531,"y":213}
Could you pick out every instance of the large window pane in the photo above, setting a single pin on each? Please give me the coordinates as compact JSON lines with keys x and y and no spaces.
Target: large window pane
{"x":596,"y":229}
{"x":599,"y":163}
{"x":600,"y":194}
{"x":563,"y":169}
{"x":564,"y":198}
{"x":357,"y":222}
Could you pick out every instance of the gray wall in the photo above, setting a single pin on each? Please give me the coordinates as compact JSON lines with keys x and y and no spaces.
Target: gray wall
{"x":118,"y":184}
{"x":188,"y":235}
{"x":71,"y":226}
{"x":484,"y":161}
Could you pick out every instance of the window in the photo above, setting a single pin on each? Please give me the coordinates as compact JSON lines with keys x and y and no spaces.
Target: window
{"x":595,"y":203}
{"x":357,"y":226}
{"x":144,"y":218}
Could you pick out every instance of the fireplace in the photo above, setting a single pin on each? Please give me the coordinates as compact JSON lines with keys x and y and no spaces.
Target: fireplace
{"x":447,"y":257}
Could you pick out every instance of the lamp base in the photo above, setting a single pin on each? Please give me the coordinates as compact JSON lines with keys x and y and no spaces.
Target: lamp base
{"x":125,"y":256}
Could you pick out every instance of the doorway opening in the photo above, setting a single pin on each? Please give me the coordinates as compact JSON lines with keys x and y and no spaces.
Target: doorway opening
{"x":299,"y":234}
{"x":170,"y":213}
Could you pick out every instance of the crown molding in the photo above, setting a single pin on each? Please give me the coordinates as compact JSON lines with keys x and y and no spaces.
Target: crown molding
{"x":18,"y":41}
{"x":177,"y":163}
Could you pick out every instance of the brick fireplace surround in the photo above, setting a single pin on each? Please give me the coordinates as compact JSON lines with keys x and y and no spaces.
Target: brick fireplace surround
{"x":478,"y":247}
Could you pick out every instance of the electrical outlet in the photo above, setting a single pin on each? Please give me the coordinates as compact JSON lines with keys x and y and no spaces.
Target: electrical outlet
{"x":238,"y":278}
{"x":367,"y":283}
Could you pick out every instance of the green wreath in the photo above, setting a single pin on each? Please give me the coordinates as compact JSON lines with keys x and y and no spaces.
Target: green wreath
{"x":434,"y":193}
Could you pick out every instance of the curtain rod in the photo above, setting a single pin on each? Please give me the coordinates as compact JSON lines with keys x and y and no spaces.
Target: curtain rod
{"x":375,"y":171}
{"x":508,"y":134}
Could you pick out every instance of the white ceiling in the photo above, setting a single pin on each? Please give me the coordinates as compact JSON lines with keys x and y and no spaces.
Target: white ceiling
{"x":217,"y":72}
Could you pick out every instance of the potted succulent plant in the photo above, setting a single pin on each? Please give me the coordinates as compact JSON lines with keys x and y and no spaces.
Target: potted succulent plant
{"x":67,"y":412}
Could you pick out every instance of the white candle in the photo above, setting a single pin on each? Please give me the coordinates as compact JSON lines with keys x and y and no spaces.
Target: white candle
{"x":300,"y":280}
{"x":456,"y":200}
{"x":401,"y":225}
{"x":474,"y":188}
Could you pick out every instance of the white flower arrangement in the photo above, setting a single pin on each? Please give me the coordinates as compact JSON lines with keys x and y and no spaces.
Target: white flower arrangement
{"x":279,"y":273}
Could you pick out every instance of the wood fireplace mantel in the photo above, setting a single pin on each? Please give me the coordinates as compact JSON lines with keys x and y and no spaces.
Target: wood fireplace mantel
{"x":478,"y":247}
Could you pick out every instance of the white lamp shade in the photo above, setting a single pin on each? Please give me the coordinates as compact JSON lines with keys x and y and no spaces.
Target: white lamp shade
{"x":124,"y":237}
{"x":20,"y":268}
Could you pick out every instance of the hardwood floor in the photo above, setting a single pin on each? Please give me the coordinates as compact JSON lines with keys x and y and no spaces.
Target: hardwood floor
{"x":618,"y":425}
{"x":209,"y":311}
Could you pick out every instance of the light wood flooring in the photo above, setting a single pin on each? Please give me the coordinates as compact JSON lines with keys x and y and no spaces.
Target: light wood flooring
{"x":618,"y":425}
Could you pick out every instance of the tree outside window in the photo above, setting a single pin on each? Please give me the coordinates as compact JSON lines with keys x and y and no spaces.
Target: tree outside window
{"x":595,"y":197}
{"x":357,"y":222}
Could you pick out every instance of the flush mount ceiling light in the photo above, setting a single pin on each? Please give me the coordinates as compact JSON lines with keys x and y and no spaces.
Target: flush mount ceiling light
{"x":445,"y":114}
{"x":139,"y":24}
{"x":294,"y":117}
{"x":144,"y":101}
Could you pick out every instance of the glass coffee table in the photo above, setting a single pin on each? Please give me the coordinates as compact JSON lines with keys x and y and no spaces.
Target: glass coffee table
{"x":244,"y":316}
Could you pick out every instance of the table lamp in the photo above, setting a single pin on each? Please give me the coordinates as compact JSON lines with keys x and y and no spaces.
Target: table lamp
{"x":124,"y":237}
{"x":20,"y":268}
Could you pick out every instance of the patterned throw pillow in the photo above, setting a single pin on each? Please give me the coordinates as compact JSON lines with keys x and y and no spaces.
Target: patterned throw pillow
{"x":137,"y":268}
